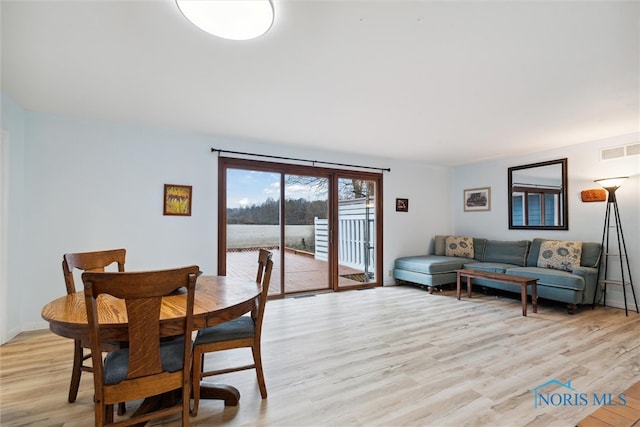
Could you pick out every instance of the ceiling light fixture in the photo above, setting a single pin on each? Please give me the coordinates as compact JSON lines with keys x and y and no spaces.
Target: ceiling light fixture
{"x":229,"y":19}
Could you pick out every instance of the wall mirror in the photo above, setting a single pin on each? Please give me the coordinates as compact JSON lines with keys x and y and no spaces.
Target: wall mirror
{"x":538,"y":196}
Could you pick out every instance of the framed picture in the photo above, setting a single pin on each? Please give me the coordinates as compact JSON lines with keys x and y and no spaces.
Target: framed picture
{"x":402,"y":205}
{"x":177,"y":199}
{"x":477,"y":199}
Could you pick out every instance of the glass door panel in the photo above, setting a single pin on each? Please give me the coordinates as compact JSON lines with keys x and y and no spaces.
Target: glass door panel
{"x":306,"y":246}
{"x":356,"y":232}
{"x":253,"y":222}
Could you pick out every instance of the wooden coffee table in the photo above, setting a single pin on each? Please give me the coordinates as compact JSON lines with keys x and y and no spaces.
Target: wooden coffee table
{"x":521,"y":281}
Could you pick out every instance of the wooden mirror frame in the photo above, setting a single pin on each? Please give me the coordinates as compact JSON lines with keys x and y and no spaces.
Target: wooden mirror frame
{"x":563,"y":222}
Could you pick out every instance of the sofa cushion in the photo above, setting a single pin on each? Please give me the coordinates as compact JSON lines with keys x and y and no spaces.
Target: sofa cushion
{"x":534,"y":251}
{"x":491,"y":267}
{"x":479,"y":246}
{"x":549,"y":277}
{"x":430,"y":264}
{"x":459,"y":246}
{"x":560,"y":255}
{"x":440,"y":242}
{"x":506,"y":252}
{"x":590,"y":254}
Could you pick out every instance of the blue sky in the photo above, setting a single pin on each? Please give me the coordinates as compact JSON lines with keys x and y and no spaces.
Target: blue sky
{"x":246,"y":188}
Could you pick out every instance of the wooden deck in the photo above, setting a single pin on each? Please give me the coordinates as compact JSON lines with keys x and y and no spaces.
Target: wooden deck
{"x":303,"y":272}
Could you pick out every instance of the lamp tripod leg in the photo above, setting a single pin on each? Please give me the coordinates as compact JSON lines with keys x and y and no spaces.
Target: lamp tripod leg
{"x":604,"y":247}
{"x":622,"y":251}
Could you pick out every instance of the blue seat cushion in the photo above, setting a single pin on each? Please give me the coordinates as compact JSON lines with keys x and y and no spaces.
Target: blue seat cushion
{"x":491,"y":267}
{"x":238,"y":328}
{"x":549,"y":277}
{"x":116,"y":363}
{"x":431,"y":264}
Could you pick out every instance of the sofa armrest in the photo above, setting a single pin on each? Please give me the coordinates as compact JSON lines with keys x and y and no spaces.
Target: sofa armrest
{"x":585,"y":272}
{"x":590,"y":276}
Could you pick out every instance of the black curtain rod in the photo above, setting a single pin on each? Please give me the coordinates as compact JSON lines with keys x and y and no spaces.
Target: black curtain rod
{"x":300,"y":160}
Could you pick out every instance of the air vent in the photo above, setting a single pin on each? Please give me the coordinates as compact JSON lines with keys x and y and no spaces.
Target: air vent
{"x":633,"y":149}
{"x":623,"y":151}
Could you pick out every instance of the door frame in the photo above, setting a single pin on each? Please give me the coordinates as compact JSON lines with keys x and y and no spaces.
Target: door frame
{"x":333,"y":175}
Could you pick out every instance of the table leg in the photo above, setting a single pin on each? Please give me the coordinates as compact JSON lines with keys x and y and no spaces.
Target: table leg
{"x":469,"y":286}
{"x":523,"y":297}
{"x":458,"y":286}
{"x":534,"y":296}
{"x":229,"y":394}
{"x":155,"y":403}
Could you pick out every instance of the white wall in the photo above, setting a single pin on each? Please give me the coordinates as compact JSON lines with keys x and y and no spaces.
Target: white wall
{"x":586,"y":220}
{"x":91,"y":185}
{"x":428,"y":189}
{"x":11,"y":293}
{"x":4,"y":232}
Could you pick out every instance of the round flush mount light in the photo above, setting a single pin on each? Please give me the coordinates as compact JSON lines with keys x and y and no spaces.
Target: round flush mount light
{"x":229,"y":19}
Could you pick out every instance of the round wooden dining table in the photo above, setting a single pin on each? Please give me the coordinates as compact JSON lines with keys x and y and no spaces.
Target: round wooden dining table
{"x":217,"y":300}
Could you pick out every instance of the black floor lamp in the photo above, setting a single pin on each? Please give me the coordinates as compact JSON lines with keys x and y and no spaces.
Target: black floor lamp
{"x":611,"y":185}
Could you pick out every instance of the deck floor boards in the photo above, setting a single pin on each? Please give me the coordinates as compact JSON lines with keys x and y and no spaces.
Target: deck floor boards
{"x":304,"y":272}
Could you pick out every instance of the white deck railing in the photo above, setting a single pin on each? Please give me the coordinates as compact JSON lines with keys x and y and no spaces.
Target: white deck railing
{"x":356,"y":235}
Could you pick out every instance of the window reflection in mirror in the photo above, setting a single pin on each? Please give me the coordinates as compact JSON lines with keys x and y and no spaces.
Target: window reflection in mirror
{"x":538,"y":196}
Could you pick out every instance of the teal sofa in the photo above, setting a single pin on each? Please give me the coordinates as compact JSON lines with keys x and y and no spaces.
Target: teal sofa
{"x":517,"y":257}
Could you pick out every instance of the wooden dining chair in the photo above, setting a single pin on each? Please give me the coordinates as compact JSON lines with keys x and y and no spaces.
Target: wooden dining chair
{"x":87,"y":261}
{"x":149,"y":366}
{"x":240,"y":332}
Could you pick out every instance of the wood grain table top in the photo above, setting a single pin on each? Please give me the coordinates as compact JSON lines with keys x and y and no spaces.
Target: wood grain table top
{"x":217,"y":299}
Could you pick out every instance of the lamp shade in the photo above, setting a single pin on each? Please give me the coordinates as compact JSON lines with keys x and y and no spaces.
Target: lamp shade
{"x":229,"y":19}
{"x":611,"y":182}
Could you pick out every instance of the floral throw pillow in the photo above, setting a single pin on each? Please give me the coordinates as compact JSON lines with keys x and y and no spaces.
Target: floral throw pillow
{"x":459,"y":246}
{"x":560,"y":255}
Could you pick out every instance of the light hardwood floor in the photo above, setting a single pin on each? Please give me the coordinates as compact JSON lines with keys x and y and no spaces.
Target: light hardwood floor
{"x":392,"y":356}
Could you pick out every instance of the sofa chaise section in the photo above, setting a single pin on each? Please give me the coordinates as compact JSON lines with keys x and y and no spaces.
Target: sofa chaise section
{"x":428,"y":270}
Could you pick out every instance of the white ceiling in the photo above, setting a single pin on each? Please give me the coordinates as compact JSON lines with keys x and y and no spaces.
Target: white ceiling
{"x":446,"y":82}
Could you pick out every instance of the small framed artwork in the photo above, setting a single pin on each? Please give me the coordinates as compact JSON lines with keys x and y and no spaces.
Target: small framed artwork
{"x":402,"y":205}
{"x":177,"y":199}
{"x":477,"y":199}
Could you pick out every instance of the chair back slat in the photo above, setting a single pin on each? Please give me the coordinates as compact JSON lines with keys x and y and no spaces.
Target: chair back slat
{"x":143,"y":316}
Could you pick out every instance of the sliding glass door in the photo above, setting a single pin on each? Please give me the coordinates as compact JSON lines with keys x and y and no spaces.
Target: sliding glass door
{"x":252,"y":222}
{"x":306,"y":213}
{"x":322,"y":225}
{"x":356,"y":231}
